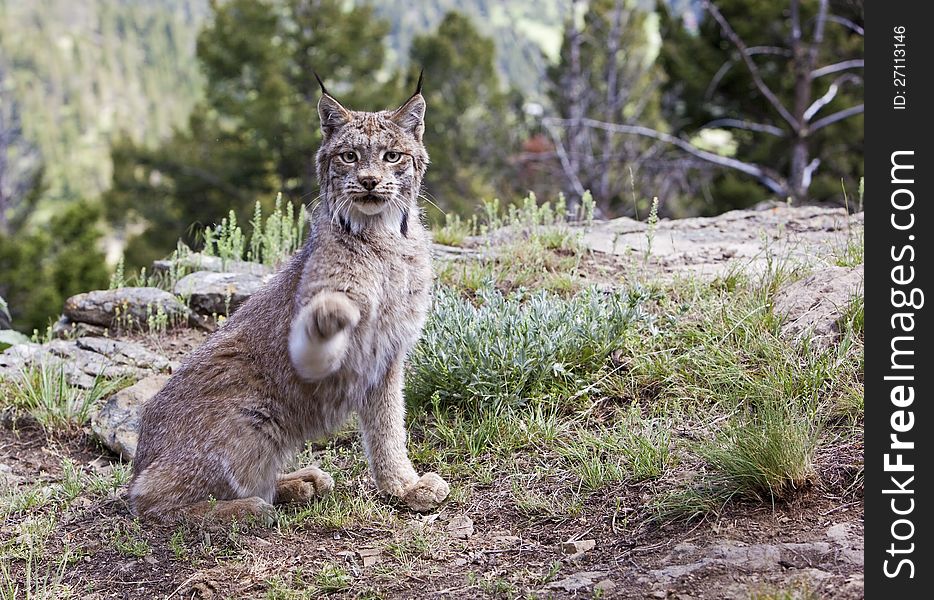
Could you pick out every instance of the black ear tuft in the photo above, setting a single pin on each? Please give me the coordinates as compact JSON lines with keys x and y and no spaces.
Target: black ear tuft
{"x":321,"y":83}
{"x":333,"y":116}
{"x":418,"y":86}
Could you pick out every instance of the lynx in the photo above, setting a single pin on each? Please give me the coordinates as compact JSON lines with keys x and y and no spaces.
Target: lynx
{"x":326,"y":337}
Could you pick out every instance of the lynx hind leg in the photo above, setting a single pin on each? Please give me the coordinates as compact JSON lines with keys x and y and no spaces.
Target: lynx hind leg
{"x":243,"y":510}
{"x":303,"y":485}
{"x":168,"y":492}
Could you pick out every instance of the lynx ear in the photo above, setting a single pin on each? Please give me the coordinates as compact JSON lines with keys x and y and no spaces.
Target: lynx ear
{"x":411,"y":115}
{"x":330,"y":111}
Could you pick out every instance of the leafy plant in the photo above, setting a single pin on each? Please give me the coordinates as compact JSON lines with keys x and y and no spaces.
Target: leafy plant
{"x":511,"y":350}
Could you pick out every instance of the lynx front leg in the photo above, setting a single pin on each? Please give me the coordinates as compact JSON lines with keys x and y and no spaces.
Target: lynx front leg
{"x":320,"y":333}
{"x":382,"y":420}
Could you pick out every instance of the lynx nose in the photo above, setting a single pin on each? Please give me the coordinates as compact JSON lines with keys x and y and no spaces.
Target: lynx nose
{"x":368,"y":181}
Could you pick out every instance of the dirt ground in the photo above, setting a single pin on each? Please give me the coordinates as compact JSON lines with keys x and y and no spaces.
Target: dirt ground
{"x":811,"y":548}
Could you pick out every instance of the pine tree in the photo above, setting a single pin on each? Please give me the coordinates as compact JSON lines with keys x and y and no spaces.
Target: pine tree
{"x":256,"y":131}
{"x":708,"y":83}
{"x":469,"y":130}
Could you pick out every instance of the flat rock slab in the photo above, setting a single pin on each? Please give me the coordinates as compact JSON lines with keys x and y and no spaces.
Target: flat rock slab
{"x":83,"y":360}
{"x":814,"y":306}
{"x":201,"y":262}
{"x":117,"y":422}
{"x":841,"y":546}
{"x":210,"y":293}
{"x":125,"y":308}
{"x":712,"y":246}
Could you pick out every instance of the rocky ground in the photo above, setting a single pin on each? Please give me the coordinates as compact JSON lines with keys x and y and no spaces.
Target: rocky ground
{"x":66,"y":487}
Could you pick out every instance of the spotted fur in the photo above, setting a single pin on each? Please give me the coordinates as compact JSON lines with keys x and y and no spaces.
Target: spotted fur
{"x":327,"y":337}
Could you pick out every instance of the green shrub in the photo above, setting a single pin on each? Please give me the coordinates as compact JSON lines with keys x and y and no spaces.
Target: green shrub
{"x":508,"y":350}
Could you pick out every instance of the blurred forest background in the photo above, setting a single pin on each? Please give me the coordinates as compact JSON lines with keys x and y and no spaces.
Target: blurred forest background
{"x":126,"y":125}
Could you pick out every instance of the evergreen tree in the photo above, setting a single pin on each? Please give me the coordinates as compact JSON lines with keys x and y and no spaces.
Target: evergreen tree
{"x":709,"y":84}
{"x":469,"y":130}
{"x":606,"y":73}
{"x":41,"y":268}
{"x":256,"y":132}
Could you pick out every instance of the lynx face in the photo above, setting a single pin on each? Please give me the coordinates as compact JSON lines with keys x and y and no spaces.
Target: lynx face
{"x":371,"y":164}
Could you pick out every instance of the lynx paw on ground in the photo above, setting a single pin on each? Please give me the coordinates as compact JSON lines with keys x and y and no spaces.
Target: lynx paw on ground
{"x":303,"y":485}
{"x":427,"y":493}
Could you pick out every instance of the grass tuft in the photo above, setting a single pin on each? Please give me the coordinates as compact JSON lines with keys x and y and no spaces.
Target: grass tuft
{"x":43,"y":391}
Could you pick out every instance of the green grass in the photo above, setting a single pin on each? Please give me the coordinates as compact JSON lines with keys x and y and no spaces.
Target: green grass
{"x":329,"y":578}
{"x":629,"y":449}
{"x":528,"y":245}
{"x":42,"y":390}
{"x":768,"y":455}
{"x":128,"y":540}
{"x":759,"y":403}
{"x":455,"y":230}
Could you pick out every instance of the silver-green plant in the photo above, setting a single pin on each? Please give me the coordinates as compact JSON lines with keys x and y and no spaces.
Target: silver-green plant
{"x":651,"y":226}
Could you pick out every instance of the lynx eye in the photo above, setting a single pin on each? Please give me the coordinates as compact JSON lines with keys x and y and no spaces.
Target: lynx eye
{"x":392,"y":156}
{"x":349,"y":156}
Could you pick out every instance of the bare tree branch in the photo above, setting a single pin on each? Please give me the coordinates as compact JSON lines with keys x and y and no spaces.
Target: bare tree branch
{"x":753,"y":69}
{"x":837,"y":116}
{"x":818,"y":37}
{"x":741,"y":124}
{"x":828,"y":97}
{"x":725,"y":67}
{"x":856,"y":63}
{"x":846,"y":23}
{"x":766,"y":176}
{"x":809,"y":172}
{"x":564,"y":159}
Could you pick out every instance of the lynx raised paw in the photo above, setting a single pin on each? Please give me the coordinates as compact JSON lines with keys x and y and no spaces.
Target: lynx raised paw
{"x":332,"y":312}
{"x":426,"y":493}
{"x":303,"y":485}
{"x":319,"y":335}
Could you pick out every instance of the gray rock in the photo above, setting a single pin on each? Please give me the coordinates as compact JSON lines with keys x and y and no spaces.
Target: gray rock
{"x":65,"y":328}
{"x":126,"y":353}
{"x":117,"y":422}
{"x":125,"y":308}
{"x":577,"y":581}
{"x":814,"y":305}
{"x":84,"y":360}
{"x":218,"y":293}
{"x":200,"y":262}
{"x":578,"y":547}
{"x":460,"y":527}
{"x":714,"y":246}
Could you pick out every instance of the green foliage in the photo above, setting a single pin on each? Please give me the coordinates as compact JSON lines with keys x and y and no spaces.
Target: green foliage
{"x":256,"y":132}
{"x":87,"y":73}
{"x":707,"y":80}
{"x":468,"y":129}
{"x":614,"y":79}
{"x":44,"y":392}
{"x":43,"y":266}
{"x":272,"y":239}
{"x":517,"y":349}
